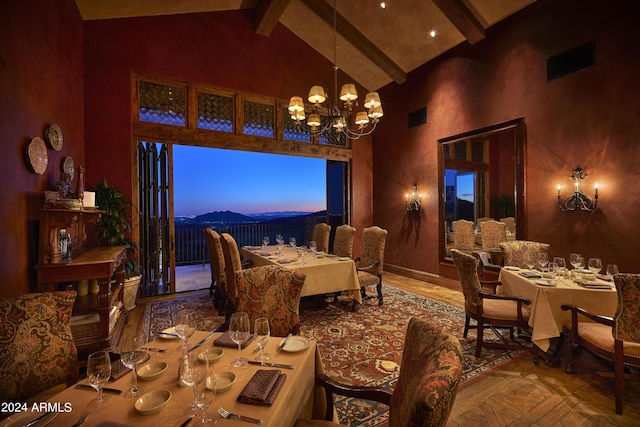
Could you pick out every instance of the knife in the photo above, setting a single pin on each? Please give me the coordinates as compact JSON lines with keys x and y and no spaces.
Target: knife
{"x":104,"y":389}
{"x":271,"y":365}
{"x":208,"y":337}
{"x":284,"y":342}
{"x":41,"y":418}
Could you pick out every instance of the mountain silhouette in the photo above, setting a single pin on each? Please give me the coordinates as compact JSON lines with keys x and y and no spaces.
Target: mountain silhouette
{"x":223,"y":217}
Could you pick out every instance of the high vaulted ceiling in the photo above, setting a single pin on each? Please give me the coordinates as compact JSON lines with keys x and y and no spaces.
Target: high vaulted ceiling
{"x":374,"y":45}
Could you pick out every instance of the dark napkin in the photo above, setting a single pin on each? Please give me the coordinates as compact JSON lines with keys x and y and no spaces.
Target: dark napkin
{"x":118,"y":370}
{"x":604,"y":277}
{"x":225,"y":340}
{"x":594,"y":285}
{"x":531,"y":275}
{"x":263,"y":387}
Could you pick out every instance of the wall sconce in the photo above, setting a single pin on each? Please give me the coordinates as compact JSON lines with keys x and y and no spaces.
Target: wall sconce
{"x":414,"y":200}
{"x":578,"y":200}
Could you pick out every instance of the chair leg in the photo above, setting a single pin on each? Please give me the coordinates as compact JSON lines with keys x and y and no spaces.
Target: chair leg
{"x":480,"y":333}
{"x":569,"y":367}
{"x":619,"y":374}
{"x":466,"y":326}
{"x":379,"y":288}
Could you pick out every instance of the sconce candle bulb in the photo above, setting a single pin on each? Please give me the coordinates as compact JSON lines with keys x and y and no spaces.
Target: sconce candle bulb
{"x":413,"y":203}
{"x":578,"y":200}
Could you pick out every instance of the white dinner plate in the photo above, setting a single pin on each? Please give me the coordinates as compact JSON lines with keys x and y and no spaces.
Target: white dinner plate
{"x":296,"y":343}
{"x":511,"y":268}
{"x":273,"y":257}
{"x":21,"y":418}
{"x":545,"y":282}
{"x":344,"y":258}
{"x":171,"y":334}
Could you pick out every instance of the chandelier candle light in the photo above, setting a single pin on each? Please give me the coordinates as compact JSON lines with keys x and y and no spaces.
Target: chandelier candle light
{"x":413,"y":201}
{"x":338,"y":115}
{"x":578,"y":200}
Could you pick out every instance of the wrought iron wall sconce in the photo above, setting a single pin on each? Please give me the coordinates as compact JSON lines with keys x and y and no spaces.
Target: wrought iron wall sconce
{"x":413,"y":200}
{"x":578,"y":200}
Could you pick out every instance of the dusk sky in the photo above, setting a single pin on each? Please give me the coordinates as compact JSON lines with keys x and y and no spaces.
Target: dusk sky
{"x":208,"y":179}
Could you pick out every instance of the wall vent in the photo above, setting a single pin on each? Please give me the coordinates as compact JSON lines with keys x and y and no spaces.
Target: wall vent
{"x":417,"y":117}
{"x":571,"y":60}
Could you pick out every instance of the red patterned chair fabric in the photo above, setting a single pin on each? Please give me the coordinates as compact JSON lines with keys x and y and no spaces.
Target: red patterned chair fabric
{"x":37,"y":350}
{"x":615,"y":339}
{"x":464,"y":236}
{"x":370,"y":263}
{"x":516,"y":252}
{"x":321,"y":234}
{"x":216,"y":262}
{"x":343,"y":242}
{"x":232,"y":263}
{"x":273,"y":292}
{"x":430,"y":373}
{"x":493,"y":233}
{"x":489,"y":309}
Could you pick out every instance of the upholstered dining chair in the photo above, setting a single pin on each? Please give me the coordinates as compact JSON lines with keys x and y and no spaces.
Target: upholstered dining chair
{"x":615,"y":340}
{"x":510,"y":223}
{"x":216,"y":262}
{"x":430,"y":372}
{"x":464,"y":236}
{"x":271,"y":291}
{"x":343,"y":241}
{"x":516,"y":252}
{"x":370,"y":263}
{"x":37,"y":350}
{"x":232,"y":263}
{"x":489,"y":309}
{"x":321,"y":233}
{"x":493,"y":233}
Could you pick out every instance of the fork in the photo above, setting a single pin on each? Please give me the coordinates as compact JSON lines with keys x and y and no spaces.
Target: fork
{"x":228,"y":415}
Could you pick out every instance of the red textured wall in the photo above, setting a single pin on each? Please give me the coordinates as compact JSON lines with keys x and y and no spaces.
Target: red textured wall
{"x":590,"y":118}
{"x":41,"y":74}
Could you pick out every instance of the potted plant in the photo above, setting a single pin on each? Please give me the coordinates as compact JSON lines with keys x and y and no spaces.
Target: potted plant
{"x":112,"y":230}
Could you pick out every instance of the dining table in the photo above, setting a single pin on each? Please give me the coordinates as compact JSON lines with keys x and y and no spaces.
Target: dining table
{"x":325,"y":273}
{"x":295,"y":399}
{"x":546,"y":318}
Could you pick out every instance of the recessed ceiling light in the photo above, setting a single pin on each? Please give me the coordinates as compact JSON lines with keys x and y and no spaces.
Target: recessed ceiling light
{"x":383,"y":4}
{"x":432,"y":33}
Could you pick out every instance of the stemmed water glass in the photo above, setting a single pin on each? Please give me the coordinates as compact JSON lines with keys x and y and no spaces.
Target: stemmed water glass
{"x":261,"y":329}
{"x":313,"y":247}
{"x":612,"y":270}
{"x":239,"y":330}
{"x":193,"y":373}
{"x":530,"y":260}
{"x":206,"y":395}
{"x":185,"y":326}
{"x":292,"y":242}
{"x":543,"y":260}
{"x":98,"y":373}
{"x":133,"y":353}
{"x":574,"y":260}
{"x":265,"y":243}
{"x":595,"y":265}
{"x":561,"y":265}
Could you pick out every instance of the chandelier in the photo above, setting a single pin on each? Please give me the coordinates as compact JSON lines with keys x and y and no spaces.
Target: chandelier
{"x":337,"y":116}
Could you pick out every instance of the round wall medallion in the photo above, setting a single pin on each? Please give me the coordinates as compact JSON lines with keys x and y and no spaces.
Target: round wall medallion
{"x":68,"y":167}
{"x":37,"y":153}
{"x":54,"y":137}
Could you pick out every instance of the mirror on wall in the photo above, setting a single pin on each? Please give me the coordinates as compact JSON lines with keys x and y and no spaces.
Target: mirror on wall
{"x":481,"y":178}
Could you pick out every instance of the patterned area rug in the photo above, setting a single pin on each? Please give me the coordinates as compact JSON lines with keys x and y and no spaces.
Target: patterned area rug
{"x":363,"y":348}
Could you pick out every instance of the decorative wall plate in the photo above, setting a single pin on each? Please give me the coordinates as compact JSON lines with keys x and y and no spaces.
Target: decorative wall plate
{"x":54,"y":137}
{"x":37,"y":153}
{"x":68,"y":167}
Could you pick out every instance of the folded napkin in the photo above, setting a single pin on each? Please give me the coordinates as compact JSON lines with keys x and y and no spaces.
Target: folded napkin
{"x":225,"y":340}
{"x":263,"y":387}
{"x":530,"y":275}
{"x":285,"y":261}
{"x":594,"y":285}
{"x":118,"y":370}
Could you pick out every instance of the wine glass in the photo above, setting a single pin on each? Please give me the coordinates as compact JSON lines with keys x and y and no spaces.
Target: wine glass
{"x":292,"y":242}
{"x":265,"y":243}
{"x":595,"y":265}
{"x":239,"y":332}
{"x":185,"y":325}
{"x":561,"y":265}
{"x":98,"y":373}
{"x":574,"y":260}
{"x":261,"y":329}
{"x":580,"y":262}
{"x":543,"y":260}
{"x":313,"y":246}
{"x":206,"y":395}
{"x":301,"y":256}
{"x":192,"y":374}
{"x":530,"y":260}
{"x":133,"y":353}
{"x":612,"y":269}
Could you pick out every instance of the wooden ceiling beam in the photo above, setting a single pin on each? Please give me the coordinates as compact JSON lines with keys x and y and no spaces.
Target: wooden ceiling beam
{"x":357,"y":39}
{"x":463,"y":19}
{"x":267,"y":15}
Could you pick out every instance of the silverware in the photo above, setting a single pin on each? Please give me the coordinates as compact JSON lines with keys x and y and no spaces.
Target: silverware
{"x":104,"y":389}
{"x":228,"y":415}
{"x":284,"y":342}
{"x":208,"y":337}
{"x":186,"y":423}
{"x":159,"y":350}
{"x":81,"y":421}
{"x":41,"y":418}
{"x":271,"y":365}
{"x":167,"y":334}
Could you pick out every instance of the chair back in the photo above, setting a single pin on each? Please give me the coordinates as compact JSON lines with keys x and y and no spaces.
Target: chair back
{"x":626,"y":325}
{"x":493,"y":233}
{"x":430,"y":372}
{"x":516,"y":252}
{"x":343,"y":242}
{"x":483,"y":219}
{"x":510,"y":223}
{"x":216,"y":257}
{"x":37,"y":350}
{"x":273,"y":292}
{"x":372,"y":249}
{"x":321,"y":234}
{"x":467,"y":269}
{"x":232,"y":263}
{"x":464,"y":237}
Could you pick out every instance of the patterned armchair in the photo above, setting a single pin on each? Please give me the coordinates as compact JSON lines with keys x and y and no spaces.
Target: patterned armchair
{"x":489,"y":309}
{"x":216,"y":262}
{"x":493,"y":233}
{"x":343,"y":242}
{"x":464,"y":237}
{"x":321,"y":234}
{"x":36,"y":345}
{"x":273,"y":292}
{"x":516,"y":252}
{"x":430,"y":373}
{"x":232,"y":263}
{"x":370,"y":263}
{"x":615,"y":340}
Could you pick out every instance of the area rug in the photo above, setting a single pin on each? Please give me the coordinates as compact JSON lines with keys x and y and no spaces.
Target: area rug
{"x":363,"y":347}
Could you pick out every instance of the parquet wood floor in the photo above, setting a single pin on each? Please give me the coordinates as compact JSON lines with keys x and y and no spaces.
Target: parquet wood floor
{"x":521,"y":393}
